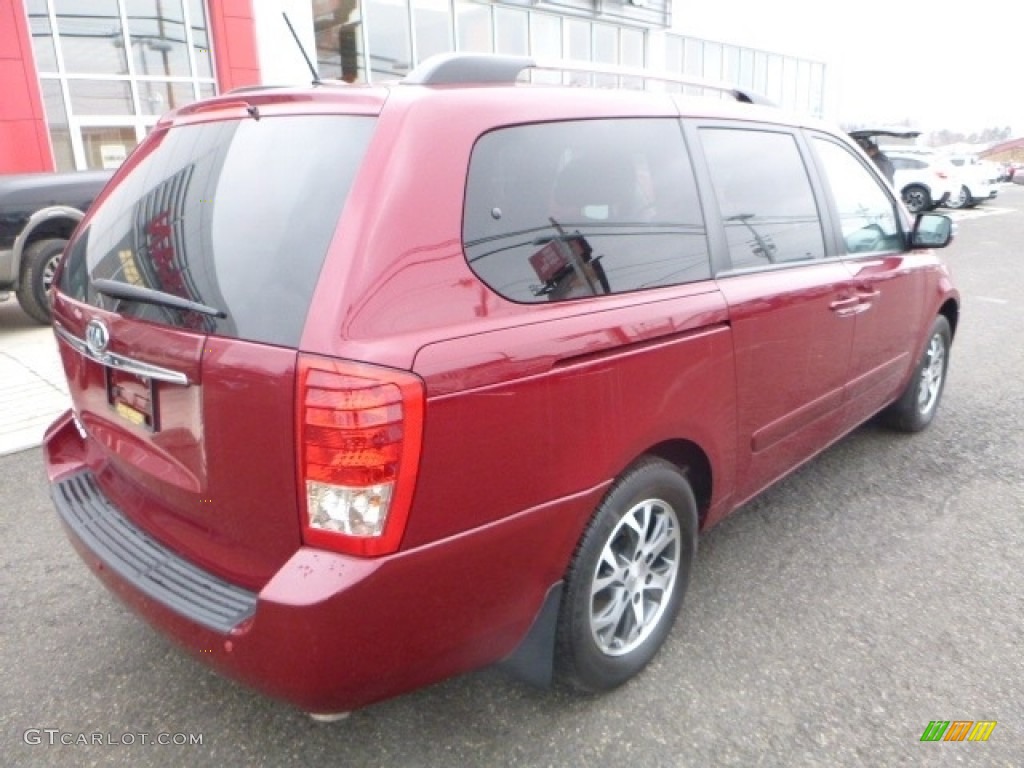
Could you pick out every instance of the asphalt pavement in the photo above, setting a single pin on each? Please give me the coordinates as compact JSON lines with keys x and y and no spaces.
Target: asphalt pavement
{"x":877,"y":589}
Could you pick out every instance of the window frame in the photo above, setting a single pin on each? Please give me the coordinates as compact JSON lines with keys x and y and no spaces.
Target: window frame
{"x":721,"y":260}
{"x":138,"y":118}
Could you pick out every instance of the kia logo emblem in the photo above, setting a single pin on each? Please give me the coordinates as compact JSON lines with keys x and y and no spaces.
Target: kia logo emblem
{"x":97,"y":337}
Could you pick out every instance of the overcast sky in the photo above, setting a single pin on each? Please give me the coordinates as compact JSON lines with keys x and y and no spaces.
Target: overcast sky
{"x":942,"y":64}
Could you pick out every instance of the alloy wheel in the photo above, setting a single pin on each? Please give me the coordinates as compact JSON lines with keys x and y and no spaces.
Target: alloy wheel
{"x":49,"y":270}
{"x":634,"y":577}
{"x":932,"y":374}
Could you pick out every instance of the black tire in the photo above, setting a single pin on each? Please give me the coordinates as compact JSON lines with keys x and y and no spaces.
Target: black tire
{"x":917,"y":198}
{"x":38,"y":263}
{"x":640,"y":545}
{"x":915,"y":409}
{"x":961,"y":200}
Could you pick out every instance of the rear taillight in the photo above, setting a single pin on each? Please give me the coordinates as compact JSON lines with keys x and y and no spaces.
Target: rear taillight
{"x":359,"y":434}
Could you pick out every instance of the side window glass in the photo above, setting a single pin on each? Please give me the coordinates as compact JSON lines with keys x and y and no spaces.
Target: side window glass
{"x":582,"y":208}
{"x":764,"y":195}
{"x":867,"y":214}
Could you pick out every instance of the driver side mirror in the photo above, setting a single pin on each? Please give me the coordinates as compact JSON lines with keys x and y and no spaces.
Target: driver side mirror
{"x":931,"y":230}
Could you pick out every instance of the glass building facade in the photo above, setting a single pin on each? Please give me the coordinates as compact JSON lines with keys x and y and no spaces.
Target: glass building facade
{"x":793,"y":83}
{"x":374,"y":40}
{"x":109,"y":68}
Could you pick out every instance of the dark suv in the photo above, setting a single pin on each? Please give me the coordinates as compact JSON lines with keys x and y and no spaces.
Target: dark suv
{"x":376,"y":385}
{"x":38,"y":213}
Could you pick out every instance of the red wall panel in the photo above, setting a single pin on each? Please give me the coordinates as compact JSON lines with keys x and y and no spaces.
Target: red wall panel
{"x":24,"y":140}
{"x":234,"y":43}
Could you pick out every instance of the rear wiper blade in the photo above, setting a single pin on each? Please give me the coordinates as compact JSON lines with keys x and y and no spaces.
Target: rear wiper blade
{"x":118,"y":290}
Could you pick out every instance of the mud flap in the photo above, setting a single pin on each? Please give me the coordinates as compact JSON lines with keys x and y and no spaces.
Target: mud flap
{"x":533,"y":661}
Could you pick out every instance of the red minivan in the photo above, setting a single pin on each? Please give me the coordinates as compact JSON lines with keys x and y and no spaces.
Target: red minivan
{"x":376,"y":385}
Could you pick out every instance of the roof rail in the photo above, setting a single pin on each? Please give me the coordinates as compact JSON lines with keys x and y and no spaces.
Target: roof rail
{"x":251,"y":89}
{"x":467,"y":68}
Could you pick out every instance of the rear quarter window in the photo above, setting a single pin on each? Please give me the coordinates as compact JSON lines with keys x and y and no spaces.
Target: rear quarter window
{"x":566,"y":210}
{"x":907,"y":164}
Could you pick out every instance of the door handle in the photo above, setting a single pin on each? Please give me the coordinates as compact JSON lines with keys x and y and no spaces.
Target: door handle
{"x":845,"y":303}
{"x":848,"y":306}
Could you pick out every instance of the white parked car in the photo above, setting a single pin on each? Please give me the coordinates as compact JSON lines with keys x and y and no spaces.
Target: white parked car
{"x":978,"y":181}
{"x":924,"y":179}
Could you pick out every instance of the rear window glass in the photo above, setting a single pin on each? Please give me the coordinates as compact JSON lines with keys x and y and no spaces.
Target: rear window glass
{"x":234,"y":215}
{"x":567,"y":210}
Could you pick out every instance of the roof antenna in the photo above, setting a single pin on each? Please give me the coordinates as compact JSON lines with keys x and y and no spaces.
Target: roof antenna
{"x":316,"y":75}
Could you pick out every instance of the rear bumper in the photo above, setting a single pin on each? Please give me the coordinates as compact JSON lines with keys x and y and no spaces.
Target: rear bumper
{"x":330,"y":632}
{"x":143,"y":563}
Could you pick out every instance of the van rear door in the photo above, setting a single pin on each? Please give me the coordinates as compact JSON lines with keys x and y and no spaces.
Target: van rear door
{"x":179,"y":311}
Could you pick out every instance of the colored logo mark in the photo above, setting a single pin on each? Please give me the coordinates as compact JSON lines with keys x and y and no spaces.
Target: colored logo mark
{"x":958,"y":730}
